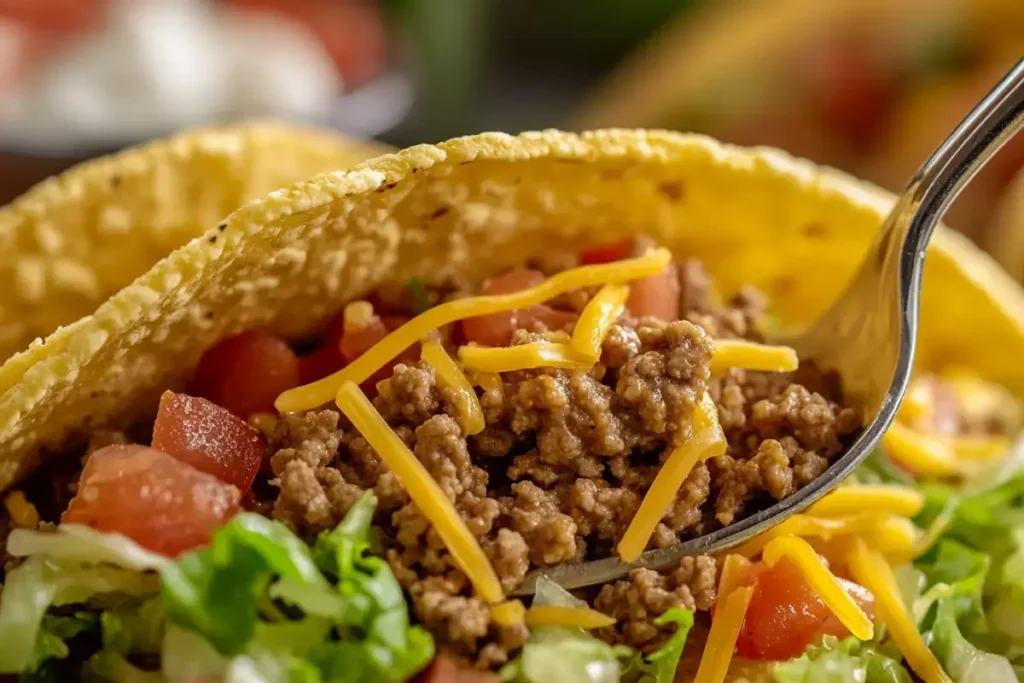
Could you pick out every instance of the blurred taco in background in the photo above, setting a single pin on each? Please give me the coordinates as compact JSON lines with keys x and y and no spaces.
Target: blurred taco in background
{"x":869,"y":87}
{"x":335,"y":436}
{"x":1006,"y":241}
{"x":69,"y":243}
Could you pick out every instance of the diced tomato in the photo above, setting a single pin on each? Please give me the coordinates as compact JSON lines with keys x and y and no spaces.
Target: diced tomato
{"x":154,"y":499}
{"x":356,"y":342}
{"x":496,"y":329}
{"x":785,"y":615}
{"x":247,"y":372}
{"x":656,"y":296}
{"x":209,"y":438}
{"x":606,"y":253}
{"x":326,"y":359}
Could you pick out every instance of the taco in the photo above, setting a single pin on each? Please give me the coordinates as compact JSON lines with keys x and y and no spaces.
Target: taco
{"x":867,"y":86}
{"x":329,"y":440}
{"x":72,"y":241}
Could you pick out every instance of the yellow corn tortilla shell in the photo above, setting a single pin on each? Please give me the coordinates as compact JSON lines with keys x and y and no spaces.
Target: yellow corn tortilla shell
{"x":72,"y":241}
{"x":471,"y":206}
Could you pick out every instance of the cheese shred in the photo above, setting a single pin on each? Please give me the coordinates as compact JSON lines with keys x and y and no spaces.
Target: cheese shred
{"x":920,"y":453}
{"x":508,"y":613}
{"x":891,"y":534}
{"x":540,"y":354}
{"x":725,"y":629}
{"x":358,"y":371}
{"x":571,"y":617}
{"x":597,"y":316}
{"x":822,"y":582}
{"x":423,"y":491}
{"x":706,"y":442}
{"x":449,"y":375}
{"x":738,"y":353}
{"x":870,"y":570}
{"x":851,"y":499}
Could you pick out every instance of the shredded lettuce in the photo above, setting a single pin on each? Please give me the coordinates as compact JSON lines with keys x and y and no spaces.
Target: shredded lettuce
{"x":77,"y":543}
{"x":213,"y":591}
{"x":37,"y":584}
{"x":564,"y":655}
{"x":846,"y":661}
{"x":571,"y":655}
{"x":660,"y":666}
{"x":353,"y":624}
{"x":964,"y":662}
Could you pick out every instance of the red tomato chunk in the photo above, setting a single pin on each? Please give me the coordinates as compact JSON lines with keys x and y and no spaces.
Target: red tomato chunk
{"x":785,"y":615}
{"x":247,"y":372}
{"x":656,"y":296}
{"x":496,"y":329}
{"x":606,"y":253}
{"x":209,"y":438}
{"x":152,"y":498}
{"x":327,"y":359}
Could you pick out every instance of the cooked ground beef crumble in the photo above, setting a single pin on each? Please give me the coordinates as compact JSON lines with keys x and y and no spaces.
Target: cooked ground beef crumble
{"x":564,"y":461}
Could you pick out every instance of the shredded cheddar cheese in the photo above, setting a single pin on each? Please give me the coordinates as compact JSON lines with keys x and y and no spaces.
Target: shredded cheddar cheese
{"x":508,"y":613}
{"x":734,"y":570}
{"x":706,"y":442}
{"x":449,"y":375}
{"x":737,"y":353}
{"x":881,"y":498}
{"x":321,"y":391}
{"x":821,"y":581}
{"x":523,"y":357}
{"x":597,"y":316}
{"x":870,"y":570}
{"x":920,"y":453}
{"x":725,"y":629}
{"x":558,"y":615}
{"x":979,"y":447}
{"x":423,"y":491}
{"x":891,"y":534}
{"x":22,"y":512}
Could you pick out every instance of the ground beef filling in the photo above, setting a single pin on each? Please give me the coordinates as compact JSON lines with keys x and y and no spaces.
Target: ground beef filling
{"x":564,"y":462}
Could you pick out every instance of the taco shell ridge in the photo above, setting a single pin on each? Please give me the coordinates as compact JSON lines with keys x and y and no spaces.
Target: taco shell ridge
{"x":465,"y":208}
{"x":73,"y":240}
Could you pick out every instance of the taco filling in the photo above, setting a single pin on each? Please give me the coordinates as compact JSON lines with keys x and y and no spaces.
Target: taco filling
{"x":362,"y":506}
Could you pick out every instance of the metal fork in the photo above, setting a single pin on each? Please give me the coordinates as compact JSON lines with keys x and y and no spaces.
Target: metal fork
{"x":869,"y":333}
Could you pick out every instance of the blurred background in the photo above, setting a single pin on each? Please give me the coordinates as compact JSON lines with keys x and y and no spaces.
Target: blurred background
{"x":868,"y":86}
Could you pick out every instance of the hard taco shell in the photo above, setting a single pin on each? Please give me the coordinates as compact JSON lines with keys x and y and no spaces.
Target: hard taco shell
{"x":72,"y":241}
{"x":467,"y":207}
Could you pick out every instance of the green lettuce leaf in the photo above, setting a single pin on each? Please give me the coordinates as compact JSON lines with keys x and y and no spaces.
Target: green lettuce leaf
{"x":564,"y":655}
{"x":571,"y":655}
{"x":964,"y":662}
{"x":214,"y":591}
{"x":846,"y":661}
{"x":264,"y":599}
{"x":660,"y":666}
{"x":35,"y":585}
